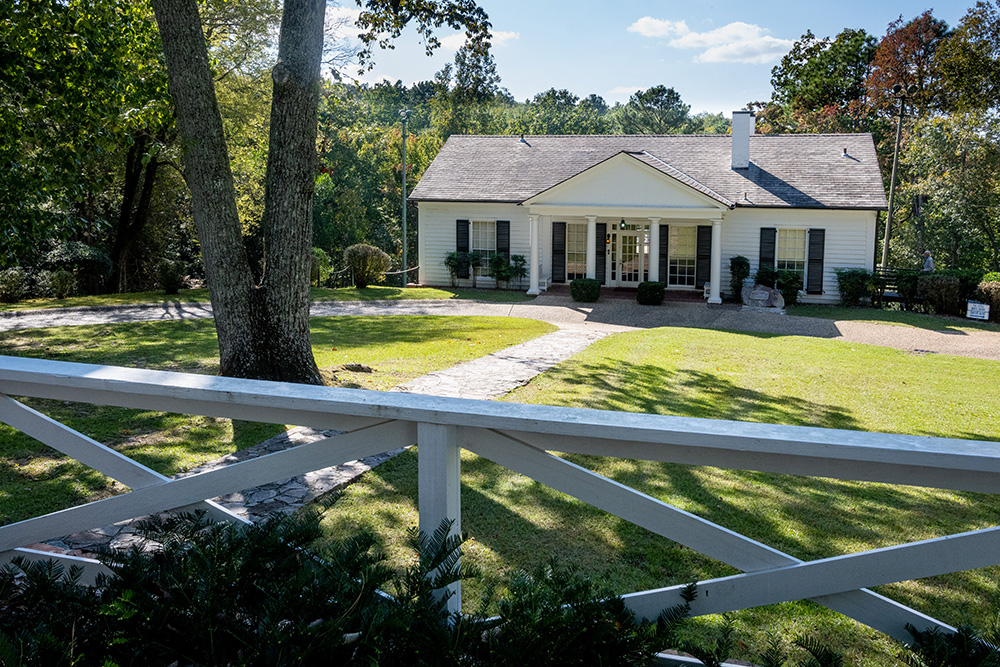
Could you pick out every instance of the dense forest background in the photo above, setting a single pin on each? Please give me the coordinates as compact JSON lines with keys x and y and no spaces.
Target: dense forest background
{"x":91,"y":157}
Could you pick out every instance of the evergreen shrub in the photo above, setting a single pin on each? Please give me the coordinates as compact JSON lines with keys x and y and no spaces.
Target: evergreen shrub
{"x":989,"y":293}
{"x":91,"y":266}
{"x":907,"y":286}
{"x":766,"y":275}
{"x":367,"y":264}
{"x":587,"y":290}
{"x":499,"y":269}
{"x":63,"y":283}
{"x":171,"y":273}
{"x":453,"y":262}
{"x":739,"y":271}
{"x":319,"y":271}
{"x":13,"y":285}
{"x":789,"y":283}
{"x":941,"y":292}
{"x":854,"y":284}
{"x":650,"y":293}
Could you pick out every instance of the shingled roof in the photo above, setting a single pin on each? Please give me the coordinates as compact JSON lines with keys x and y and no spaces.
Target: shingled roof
{"x":786,"y":170}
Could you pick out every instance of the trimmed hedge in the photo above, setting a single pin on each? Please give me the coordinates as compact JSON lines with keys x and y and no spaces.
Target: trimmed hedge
{"x":587,"y":290}
{"x":739,"y":271}
{"x":854,"y":284}
{"x":942,"y":293}
{"x":650,"y":293}
{"x":989,"y":292}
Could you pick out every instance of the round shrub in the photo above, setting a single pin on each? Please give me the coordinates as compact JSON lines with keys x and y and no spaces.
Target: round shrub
{"x":650,"y":293}
{"x":13,"y":284}
{"x":739,"y":271}
{"x":171,"y":274}
{"x":63,"y":284}
{"x":991,"y":277}
{"x":587,"y":290}
{"x":367,"y":264}
{"x":854,"y":284}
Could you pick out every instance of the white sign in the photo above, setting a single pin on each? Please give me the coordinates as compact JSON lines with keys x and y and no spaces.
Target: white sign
{"x":977,"y":311}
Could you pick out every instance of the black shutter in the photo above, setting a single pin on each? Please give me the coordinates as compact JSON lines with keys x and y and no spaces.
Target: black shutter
{"x":558,"y":252}
{"x":601,"y":251}
{"x":703,"y":259}
{"x":664,"y":246}
{"x":462,"y":246}
{"x":768,"y":237}
{"x":814,"y":281}
{"x":503,"y":238}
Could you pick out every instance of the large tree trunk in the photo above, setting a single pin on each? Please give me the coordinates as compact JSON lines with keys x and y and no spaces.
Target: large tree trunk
{"x":263,"y":330}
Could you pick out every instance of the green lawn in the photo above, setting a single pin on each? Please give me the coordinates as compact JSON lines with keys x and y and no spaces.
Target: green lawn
{"x":893,"y":317}
{"x":516,"y":522}
{"x":375,"y":293}
{"x":35,"y":480}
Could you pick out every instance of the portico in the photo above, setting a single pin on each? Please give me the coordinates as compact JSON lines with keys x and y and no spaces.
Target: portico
{"x":623,"y":222}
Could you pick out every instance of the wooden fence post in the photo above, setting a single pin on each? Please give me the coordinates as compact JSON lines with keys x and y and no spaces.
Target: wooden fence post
{"x":439,"y":477}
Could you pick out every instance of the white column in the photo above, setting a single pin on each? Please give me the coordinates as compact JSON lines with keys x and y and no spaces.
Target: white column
{"x":533,"y":259}
{"x":714,"y":293}
{"x":439,"y":483}
{"x":654,"y":250}
{"x":591,"y":246}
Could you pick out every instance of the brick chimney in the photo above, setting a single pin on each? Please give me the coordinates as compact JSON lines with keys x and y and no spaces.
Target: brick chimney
{"x":743,"y":126}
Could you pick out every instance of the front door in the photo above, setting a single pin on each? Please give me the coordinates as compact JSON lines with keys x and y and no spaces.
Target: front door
{"x":629,"y":257}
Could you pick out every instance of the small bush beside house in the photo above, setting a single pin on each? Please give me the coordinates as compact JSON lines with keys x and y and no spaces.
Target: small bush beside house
{"x":739,"y":271}
{"x":366,"y":264}
{"x":789,"y":283}
{"x":650,"y":293}
{"x":587,"y":290}
{"x":989,"y":293}
{"x":855,"y":285}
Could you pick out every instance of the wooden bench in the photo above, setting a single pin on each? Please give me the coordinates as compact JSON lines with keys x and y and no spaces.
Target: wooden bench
{"x":886,"y":287}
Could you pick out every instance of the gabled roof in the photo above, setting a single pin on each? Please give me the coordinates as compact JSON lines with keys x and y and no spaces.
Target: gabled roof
{"x":787,"y":170}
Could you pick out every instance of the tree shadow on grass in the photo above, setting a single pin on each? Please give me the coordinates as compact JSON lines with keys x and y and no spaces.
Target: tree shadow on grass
{"x":647,"y":388}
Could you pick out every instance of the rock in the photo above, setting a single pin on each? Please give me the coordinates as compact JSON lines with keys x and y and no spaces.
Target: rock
{"x":358,"y":368}
{"x":762,"y":296}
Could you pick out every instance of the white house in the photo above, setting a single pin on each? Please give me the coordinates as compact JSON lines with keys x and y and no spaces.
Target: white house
{"x":669,"y":208}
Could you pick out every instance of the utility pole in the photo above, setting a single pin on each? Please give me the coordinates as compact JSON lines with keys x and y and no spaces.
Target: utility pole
{"x":404,"y":114}
{"x":897,"y":91}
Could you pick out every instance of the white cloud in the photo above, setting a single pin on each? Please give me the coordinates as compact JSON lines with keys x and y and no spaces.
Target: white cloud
{"x":735,"y":42}
{"x":647,"y":26}
{"x":501,"y":37}
{"x":498,"y":38}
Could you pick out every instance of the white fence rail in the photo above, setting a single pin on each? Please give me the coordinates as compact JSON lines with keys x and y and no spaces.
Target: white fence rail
{"x":521,"y":437}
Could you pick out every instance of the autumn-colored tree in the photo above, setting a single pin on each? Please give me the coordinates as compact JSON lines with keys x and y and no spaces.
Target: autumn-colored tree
{"x":907,"y":56}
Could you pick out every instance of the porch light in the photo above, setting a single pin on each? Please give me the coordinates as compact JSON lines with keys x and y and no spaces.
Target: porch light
{"x":622,"y":225}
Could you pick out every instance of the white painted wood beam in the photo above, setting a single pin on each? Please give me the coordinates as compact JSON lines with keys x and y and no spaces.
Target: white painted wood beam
{"x":905,"y":459}
{"x":839,"y":574}
{"x":91,"y":567}
{"x":439,"y":483}
{"x":186,"y":490}
{"x":95,"y":455}
{"x":682,"y":527}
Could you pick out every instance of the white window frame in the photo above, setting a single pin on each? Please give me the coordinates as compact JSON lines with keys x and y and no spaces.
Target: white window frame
{"x":483,"y":239}
{"x":792,"y":253}
{"x":678,"y":264}
{"x":576,"y":249}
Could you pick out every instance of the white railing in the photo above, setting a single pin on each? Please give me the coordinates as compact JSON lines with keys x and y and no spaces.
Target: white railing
{"x":520,"y":437}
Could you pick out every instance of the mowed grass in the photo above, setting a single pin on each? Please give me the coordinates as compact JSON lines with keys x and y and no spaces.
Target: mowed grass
{"x":373,"y":293}
{"x":35,"y":480}
{"x":516,"y":522}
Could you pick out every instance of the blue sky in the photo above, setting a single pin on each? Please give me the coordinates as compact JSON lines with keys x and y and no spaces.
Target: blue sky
{"x":717,"y":54}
